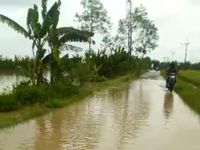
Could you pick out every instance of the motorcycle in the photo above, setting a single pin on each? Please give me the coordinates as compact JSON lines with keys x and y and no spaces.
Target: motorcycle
{"x":171,"y":81}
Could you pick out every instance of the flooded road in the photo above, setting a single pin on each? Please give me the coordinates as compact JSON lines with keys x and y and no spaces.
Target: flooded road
{"x":140,"y":115}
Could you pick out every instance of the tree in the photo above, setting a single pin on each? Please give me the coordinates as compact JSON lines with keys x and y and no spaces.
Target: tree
{"x":93,"y":18}
{"x":39,"y":32}
{"x":57,"y":39}
{"x":46,"y":31}
{"x":144,"y":32}
{"x":107,"y":42}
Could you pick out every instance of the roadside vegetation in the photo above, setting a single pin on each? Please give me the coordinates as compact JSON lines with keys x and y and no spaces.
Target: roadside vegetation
{"x":72,"y":78}
{"x":188,"y":86}
{"x":191,"y":76}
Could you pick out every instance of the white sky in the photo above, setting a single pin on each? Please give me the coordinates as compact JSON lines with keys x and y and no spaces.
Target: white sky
{"x":177,"y":21}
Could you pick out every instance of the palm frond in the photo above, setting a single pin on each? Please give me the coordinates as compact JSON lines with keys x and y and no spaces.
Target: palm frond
{"x":71,"y":34}
{"x":51,"y":17}
{"x":70,"y":47}
{"x":14,"y":25}
{"x":44,"y":8}
{"x":54,"y":13}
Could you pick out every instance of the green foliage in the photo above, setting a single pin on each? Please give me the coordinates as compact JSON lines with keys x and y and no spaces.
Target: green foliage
{"x":94,"y":17}
{"x":191,"y":76}
{"x":144,"y":32}
{"x":14,"y":25}
{"x":63,"y":88}
{"x":76,"y":69}
{"x":56,"y":103}
{"x":8,"y":103}
{"x":99,"y":66}
{"x":189,"y":93}
{"x":28,"y":95}
{"x":119,"y":62}
{"x":17,"y":64}
{"x":107,"y":42}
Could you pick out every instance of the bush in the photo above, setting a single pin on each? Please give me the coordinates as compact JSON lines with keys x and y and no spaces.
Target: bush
{"x":63,"y":88}
{"x":31,"y":95}
{"x":8,"y":103}
{"x":55,"y":103}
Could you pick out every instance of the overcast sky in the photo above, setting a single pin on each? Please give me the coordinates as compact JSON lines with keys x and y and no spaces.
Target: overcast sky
{"x":177,"y":21}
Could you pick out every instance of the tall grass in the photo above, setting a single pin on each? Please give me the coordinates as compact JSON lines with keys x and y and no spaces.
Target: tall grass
{"x":188,"y":87}
{"x":189,"y":93}
{"x":191,"y":76}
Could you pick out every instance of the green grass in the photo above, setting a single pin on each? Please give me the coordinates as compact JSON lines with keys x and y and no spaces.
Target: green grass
{"x":190,"y":76}
{"x":25,"y":113}
{"x":188,"y":88}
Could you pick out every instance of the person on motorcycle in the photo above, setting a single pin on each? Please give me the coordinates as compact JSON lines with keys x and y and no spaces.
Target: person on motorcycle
{"x":172,"y":69}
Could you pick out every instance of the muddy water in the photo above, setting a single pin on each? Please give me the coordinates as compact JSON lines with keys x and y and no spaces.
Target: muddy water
{"x":7,"y":80}
{"x":140,"y":115}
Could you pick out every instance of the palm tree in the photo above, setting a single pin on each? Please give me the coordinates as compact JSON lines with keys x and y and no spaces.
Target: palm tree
{"x":47,"y":31}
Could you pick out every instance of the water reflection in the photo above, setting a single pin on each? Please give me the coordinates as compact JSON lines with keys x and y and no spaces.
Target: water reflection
{"x":7,"y":80}
{"x":120,"y":118}
{"x":168,"y":104}
{"x":130,"y":114}
{"x":108,"y":120}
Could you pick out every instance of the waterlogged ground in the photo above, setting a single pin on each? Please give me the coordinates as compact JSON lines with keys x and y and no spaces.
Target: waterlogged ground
{"x":140,"y":115}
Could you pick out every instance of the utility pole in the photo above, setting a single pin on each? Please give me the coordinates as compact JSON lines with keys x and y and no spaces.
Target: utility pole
{"x":173,"y":54}
{"x":130,"y":31}
{"x":186,"y":50}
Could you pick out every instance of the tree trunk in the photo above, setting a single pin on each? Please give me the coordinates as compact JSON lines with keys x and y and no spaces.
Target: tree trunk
{"x":90,"y":44}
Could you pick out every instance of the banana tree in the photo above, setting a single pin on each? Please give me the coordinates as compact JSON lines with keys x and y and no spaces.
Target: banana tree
{"x":57,"y":38}
{"x":18,"y":28}
{"x":37,"y":32}
{"x":46,"y":31}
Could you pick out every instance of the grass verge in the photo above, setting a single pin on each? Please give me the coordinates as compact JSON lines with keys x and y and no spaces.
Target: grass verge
{"x":191,"y":76}
{"x":8,"y":119}
{"x":189,"y":93}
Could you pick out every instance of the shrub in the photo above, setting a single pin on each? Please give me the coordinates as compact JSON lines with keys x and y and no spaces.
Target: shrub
{"x":31,"y":95}
{"x":8,"y":103}
{"x":63,"y":88}
{"x":55,"y":103}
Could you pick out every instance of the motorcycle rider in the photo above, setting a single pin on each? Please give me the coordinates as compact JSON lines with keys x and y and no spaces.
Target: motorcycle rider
{"x":172,"y":69}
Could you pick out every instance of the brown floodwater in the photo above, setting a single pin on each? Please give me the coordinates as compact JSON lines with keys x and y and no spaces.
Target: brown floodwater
{"x":140,"y":115}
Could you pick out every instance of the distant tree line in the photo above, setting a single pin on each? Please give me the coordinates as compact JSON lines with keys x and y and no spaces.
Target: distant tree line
{"x":180,"y":66}
{"x":16,"y":64}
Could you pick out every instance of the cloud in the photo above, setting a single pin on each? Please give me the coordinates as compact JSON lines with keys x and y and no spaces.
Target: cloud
{"x":176,"y":20}
{"x":194,"y":2}
{"x":18,"y":2}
